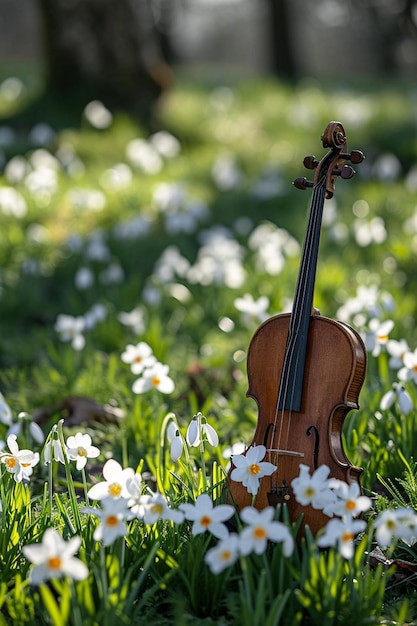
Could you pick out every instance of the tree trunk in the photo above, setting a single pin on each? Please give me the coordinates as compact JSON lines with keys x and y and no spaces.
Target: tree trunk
{"x":103,"y":49}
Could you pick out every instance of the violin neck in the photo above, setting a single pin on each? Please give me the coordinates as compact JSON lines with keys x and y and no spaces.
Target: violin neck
{"x":291,"y":385}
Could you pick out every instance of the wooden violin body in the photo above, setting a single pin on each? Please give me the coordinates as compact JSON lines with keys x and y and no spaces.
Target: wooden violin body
{"x":305,"y":371}
{"x":333,"y":376}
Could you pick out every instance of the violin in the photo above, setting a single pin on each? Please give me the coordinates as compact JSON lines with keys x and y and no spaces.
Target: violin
{"x":305,"y":371}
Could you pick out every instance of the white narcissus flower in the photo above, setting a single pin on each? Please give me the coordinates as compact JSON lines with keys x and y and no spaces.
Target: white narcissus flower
{"x":341,"y":533}
{"x":80,"y":448}
{"x":378,"y":335}
{"x":115,"y":483}
{"x":397,"y":350}
{"x":224,"y":554}
{"x":155,"y":377}
{"x":139,"y":357}
{"x":112,"y":518}
{"x":314,"y":489}
{"x":396,"y":524}
{"x":252,"y":310}
{"x":71,"y":329}
{"x":350,"y":501}
{"x":249,"y":468}
{"x":20,"y":463}
{"x":208,"y":517}
{"x":54,"y":558}
{"x":261,"y":527}
{"x":153,"y":507}
{"x":409,"y":370}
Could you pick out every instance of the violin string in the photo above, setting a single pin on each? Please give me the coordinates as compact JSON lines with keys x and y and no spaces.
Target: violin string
{"x":313,"y":232}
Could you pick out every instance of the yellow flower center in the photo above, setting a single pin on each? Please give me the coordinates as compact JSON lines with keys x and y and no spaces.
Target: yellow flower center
{"x":383,"y":337}
{"x":347,"y":536}
{"x":309,"y":492}
{"x":415,"y":368}
{"x":350,"y":505}
{"x":254,"y":469}
{"x":115,"y":490}
{"x":259,"y":533}
{"x":54,"y":562}
{"x":138,"y":359}
{"x":156,"y":381}
{"x":10,"y":462}
{"x":205,"y":521}
{"x":225,"y":555}
{"x":157,"y":509}
{"x":112,"y":520}
{"x":391,"y":525}
{"x":81,"y":451}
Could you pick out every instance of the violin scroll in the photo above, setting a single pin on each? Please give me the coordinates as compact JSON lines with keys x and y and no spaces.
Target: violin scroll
{"x":333,"y":163}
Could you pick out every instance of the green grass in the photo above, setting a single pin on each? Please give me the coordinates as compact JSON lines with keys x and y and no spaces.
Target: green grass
{"x":263,"y":129}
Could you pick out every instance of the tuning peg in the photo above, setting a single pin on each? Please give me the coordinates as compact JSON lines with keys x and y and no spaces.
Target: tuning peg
{"x":310,"y":162}
{"x":347,"y":172}
{"x":355,"y":157}
{"x":302,"y":183}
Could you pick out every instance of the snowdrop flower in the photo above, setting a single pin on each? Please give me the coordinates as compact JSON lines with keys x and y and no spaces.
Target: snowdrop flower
{"x":261,"y":527}
{"x":199,"y":430}
{"x":175,"y":439}
{"x":397,"y":350}
{"x":350,"y":502}
{"x":20,"y":463}
{"x":208,"y":517}
{"x":139,"y":357}
{"x":341,"y":533}
{"x":115,"y":483}
{"x":54,"y":558}
{"x":224,"y":554}
{"x":378,"y":335}
{"x":153,"y":507}
{"x":409,"y":370}
{"x":35,"y":430}
{"x":5,"y":411}
{"x":396,"y":524}
{"x":71,"y":329}
{"x":155,"y":377}
{"x":250,"y":468}
{"x":79,"y":449}
{"x":53,"y":446}
{"x":399,"y":394}
{"x":112,"y":518}
{"x":314,"y":489}
{"x":252,"y":310}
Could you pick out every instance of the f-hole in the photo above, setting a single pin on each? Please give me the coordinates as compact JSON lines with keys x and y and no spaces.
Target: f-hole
{"x":310,"y":431}
{"x":269,"y":427}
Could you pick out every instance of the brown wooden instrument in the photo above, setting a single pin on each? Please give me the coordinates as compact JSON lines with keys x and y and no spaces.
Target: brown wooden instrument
{"x":305,"y":371}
